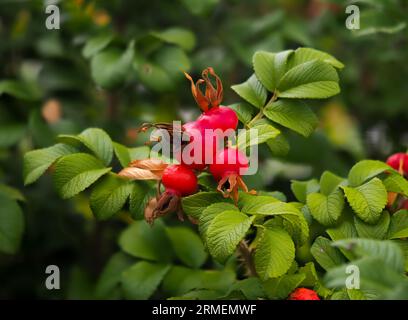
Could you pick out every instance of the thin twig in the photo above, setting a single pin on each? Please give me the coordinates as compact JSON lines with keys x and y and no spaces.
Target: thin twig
{"x":247,"y":257}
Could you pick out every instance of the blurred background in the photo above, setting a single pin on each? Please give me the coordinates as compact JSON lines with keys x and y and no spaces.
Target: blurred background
{"x":115,"y":64}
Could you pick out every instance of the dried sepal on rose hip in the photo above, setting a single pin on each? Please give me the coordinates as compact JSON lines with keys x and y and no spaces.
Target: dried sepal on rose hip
{"x":214,"y":116}
{"x":303,"y":294}
{"x":228,"y":167}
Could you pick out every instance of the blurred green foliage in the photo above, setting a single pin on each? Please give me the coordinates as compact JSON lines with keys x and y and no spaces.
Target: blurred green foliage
{"x":115,"y":64}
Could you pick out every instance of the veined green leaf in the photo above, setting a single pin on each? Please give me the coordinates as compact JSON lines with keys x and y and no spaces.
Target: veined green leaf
{"x":325,"y":254}
{"x":373,"y":231}
{"x":398,"y":225}
{"x":36,"y":162}
{"x":293,"y":114}
{"x":367,"y":200}
{"x":303,"y":55}
{"x":141,"y":280}
{"x":270,"y":67}
{"x":326,"y":209}
{"x":364,"y":170}
{"x":95,"y":139}
{"x":109,"y":196}
{"x":252,"y":91}
{"x":310,"y":80}
{"x":274,"y":254}
{"x":76,"y":172}
{"x":224,"y":233}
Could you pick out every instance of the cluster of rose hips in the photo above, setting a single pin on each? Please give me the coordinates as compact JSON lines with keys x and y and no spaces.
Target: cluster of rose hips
{"x":226,"y":164}
{"x":399,"y":162}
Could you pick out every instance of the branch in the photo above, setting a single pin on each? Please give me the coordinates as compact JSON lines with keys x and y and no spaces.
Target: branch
{"x":247,"y":257}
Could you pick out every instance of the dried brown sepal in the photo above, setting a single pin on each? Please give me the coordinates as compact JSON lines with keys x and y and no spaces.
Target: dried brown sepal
{"x":166,"y":203}
{"x":213,"y":96}
{"x":139,"y":174}
{"x":230,"y":185}
{"x":154,"y":165}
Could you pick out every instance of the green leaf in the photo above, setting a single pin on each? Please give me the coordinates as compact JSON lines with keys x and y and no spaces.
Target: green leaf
{"x":386,"y":250}
{"x":99,"y":142}
{"x":200,"y":7}
{"x":280,"y":288}
{"x":398,"y":225}
{"x":96,"y":44}
{"x":195,"y":204}
{"x":329,"y":182}
{"x":396,"y":183}
{"x":109,"y":196}
{"x":364,"y":170}
{"x":257,"y":134}
{"x":143,"y":241}
{"x":11,"y":225}
{"x":311,"y":277}
{"x":76,"y":172}
{"x":326,"y":255}
{"x":345,"y":230}
{"x":310,"y":80}
{"x":107,"y":285}
{"x":154,"y":76}
{"x":11,"y":193}
{"x":270,"y":67}
{"x":180,"y":280}
{"x":179,"y":36}
{"x":326,"y":209}
{"x":373,"y":272}
{"x":251,"y":288}
{"x":274,"y":254}
{"x":303,"y":55}
{"x":110,"y":67}
{"x":267,"y":205}
{"x":142,"y":192}
{"x":96,"y":140}
{"x":279,"y":146}
{"x":210,"y":213}
{"x":295,"y":115}
{"x":376,"y":231}
{"x":173,"y":60}
{"x":36,"y":162}
{"x":10,"y":134}
{"x":19,"y":90}
{"x":141,"y":280}
{"x":367,"y":200}
{"x":243,"y":110}
{"x":224,"y":233}
{"x":126,"y":155}
{"x":302,"y":188}
{"x":187,"y":246}
{"x":252,"y":91}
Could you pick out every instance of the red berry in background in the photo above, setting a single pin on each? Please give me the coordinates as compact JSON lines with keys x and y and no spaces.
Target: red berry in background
{"x":303,"y":294}
{"x":179,"y":180}
{"x":221,"y":117}
{"x":405,"y":205}
{"x":229,"y":160}
{"x":399,"y":162}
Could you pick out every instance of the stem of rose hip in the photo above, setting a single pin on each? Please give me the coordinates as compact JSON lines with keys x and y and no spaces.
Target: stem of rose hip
{"x":247,"y":258}
{"x":260,"y":114}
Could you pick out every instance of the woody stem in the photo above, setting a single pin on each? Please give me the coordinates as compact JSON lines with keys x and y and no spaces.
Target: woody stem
{"x":247,"y":257}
